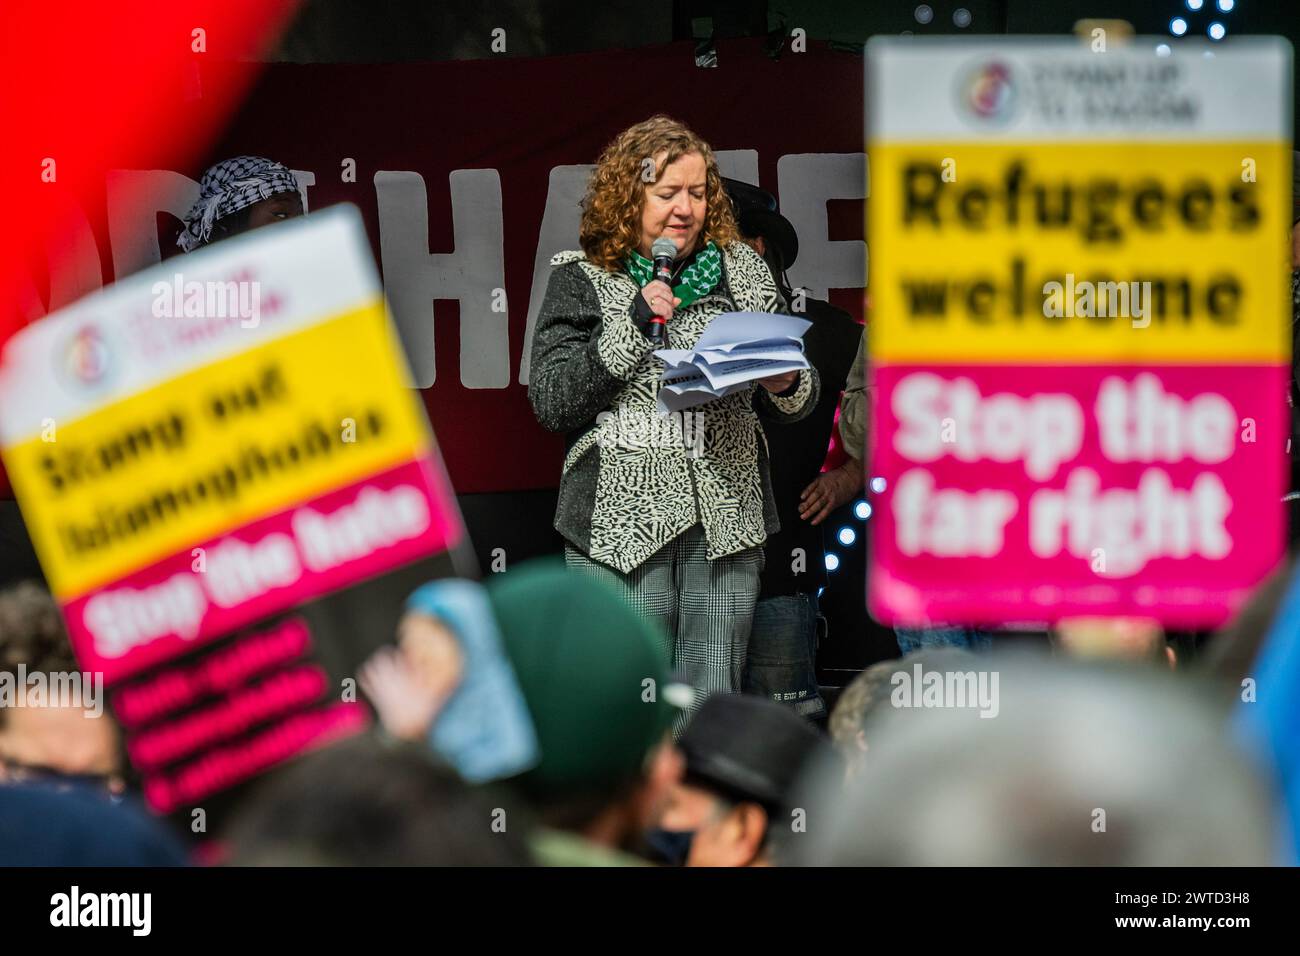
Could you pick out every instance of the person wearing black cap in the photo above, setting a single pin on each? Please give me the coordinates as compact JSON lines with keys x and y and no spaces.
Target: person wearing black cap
{"x":780,"y":663}
{"x":743,"y":760}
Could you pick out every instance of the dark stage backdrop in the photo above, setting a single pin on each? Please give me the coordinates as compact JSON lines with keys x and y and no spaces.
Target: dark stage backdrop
{"x":468,"y":176}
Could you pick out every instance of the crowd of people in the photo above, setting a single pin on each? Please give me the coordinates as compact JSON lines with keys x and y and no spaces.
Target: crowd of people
{"x":652,"y":698}
{"x":528,"y":721}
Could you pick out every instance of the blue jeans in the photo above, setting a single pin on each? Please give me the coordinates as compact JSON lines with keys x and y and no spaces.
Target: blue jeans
{"x":781,"y":660}
{"x":968,"y":638}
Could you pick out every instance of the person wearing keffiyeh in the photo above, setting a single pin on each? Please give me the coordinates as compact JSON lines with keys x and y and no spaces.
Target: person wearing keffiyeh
{"x":239,"y":194}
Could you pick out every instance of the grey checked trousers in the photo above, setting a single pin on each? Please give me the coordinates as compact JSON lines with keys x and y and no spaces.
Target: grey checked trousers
{"x":705,"y":608}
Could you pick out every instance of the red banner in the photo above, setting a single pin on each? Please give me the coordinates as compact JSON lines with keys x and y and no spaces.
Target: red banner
{"x":468,"y":176}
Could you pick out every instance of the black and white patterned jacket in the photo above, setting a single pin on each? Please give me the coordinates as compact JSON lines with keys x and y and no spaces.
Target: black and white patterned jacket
{"x":633,"y":480}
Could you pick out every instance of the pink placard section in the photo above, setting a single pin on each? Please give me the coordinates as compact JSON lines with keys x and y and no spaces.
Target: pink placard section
{"x":337,"y":539}
{"x":224,"y":767}
{"x":1031,"y":493}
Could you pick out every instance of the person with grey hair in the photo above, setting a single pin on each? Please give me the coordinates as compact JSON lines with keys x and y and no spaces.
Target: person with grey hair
{"x":1082,"y":765}
{"x":871,"y":691}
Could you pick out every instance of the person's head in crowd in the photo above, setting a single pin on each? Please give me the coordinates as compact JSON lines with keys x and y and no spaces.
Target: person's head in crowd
{"x":593,"y":675}
{"x":1265,"y":711}
{"x":874,"y":688}
{"x":1229,"y":656}
{"x":238,"y":195}
{"x":448,"y":682}
{"x":1122,"y":638}
{"x":863,"y":694}
{"x":54,"y":723}
{"x":764,"y":229}
{"x":1085,"y":764}
{"x":44,"y":825}
{"x":657,"y":178}
{"x":370,"y":802}
{"x":742,"y":757}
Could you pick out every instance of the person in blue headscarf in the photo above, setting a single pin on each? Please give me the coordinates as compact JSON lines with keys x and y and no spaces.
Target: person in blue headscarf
{"x":1268,"y":713}
{"x":450,"y":682}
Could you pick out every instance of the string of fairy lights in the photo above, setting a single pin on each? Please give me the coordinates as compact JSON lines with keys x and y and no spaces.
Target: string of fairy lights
{"x":1197,"y":15}
{"x":847,"y":535}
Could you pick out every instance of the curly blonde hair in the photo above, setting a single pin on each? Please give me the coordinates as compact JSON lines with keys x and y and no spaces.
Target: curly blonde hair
{"x":615,"y":199}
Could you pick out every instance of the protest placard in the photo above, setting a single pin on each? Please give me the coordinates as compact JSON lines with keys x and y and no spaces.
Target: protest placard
{"x":205,"y":446}
{"x":1079,"y":335}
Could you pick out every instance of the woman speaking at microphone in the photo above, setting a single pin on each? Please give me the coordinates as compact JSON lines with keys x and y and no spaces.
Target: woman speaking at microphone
{"x":674,"y":516}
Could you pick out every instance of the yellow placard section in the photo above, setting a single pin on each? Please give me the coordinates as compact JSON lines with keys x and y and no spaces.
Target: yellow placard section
{"x":213,"y":449}
{"x":1174,"y":252}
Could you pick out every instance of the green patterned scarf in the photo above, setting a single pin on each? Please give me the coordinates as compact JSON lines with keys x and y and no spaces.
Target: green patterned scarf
{"x":698,"y":279}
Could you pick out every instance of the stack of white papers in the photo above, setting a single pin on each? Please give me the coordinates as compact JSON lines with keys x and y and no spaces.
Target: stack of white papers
{"x":736,"y":349}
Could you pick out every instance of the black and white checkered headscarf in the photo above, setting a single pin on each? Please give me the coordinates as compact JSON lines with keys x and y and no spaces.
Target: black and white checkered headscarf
{"x":228,"y":187}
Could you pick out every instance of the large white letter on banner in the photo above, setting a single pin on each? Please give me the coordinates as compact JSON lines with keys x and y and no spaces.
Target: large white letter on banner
{"x":559,"y":232}
{"x":135,"y":197}
{"x":806,"y":182}
{"x":414,"y":277}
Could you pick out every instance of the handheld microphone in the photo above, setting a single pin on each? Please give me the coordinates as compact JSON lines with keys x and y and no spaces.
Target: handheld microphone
{"x":663,"y":252}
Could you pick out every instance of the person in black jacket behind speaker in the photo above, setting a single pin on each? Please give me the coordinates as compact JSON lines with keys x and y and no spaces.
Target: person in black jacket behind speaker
{"x":781,"y":660}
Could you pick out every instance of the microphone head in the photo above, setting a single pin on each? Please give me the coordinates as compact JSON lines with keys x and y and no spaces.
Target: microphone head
{"x":663,"y":248}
